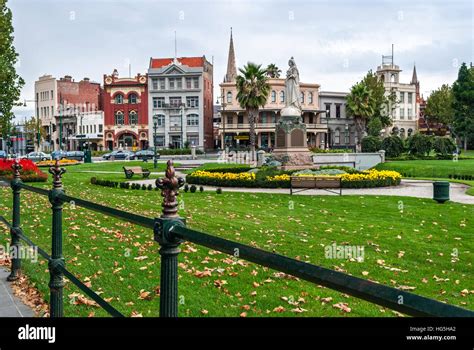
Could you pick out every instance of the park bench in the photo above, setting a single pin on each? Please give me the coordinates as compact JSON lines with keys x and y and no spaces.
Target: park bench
{"x":321,"y":182}
{"x":135,"y":170}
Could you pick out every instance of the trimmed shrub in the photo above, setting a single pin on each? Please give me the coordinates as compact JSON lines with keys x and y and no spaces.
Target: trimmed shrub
{"x":393,"y":146}
{"x":371,"y":144}
{"x":444,"y":147}
{"x":219,"y":190}
{"x":186,"y":188}
{"x":419,"y":145}
{"x":150,"y":187}
{"x":201,"y":189}
{"x":192,"y":189}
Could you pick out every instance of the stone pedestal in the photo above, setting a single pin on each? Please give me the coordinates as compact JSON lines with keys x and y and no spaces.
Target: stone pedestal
{"x":291,"y":148}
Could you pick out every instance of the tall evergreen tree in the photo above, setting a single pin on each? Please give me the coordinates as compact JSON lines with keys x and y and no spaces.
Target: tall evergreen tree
{"x":10,"y":82}
{"x":463,"y":104}
{"x":439,"y":106}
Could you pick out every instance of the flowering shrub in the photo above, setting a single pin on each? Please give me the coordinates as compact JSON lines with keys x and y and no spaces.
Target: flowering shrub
{"x":29,"y":172}
{"x":225,"y":176}
{"x":64,"y":161}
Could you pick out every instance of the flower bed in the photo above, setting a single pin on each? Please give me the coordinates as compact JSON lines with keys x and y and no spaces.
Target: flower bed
{"x":62,"y":162}
{"x":29,"y":172}
{"x":364,"y":179}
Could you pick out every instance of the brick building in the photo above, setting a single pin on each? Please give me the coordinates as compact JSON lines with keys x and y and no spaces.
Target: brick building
{"x":181,"y":102}
{"x":59,"y":105}
{"x":125,"y":105}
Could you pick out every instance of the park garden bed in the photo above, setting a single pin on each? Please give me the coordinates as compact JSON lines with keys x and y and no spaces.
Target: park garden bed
{"x":62,"y":162}
{"x":28,"y":173}
{"x":269,"y":177}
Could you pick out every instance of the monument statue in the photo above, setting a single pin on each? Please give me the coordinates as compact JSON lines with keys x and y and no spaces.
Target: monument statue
{"x":292,"y":86}
{"x":291,"y":147}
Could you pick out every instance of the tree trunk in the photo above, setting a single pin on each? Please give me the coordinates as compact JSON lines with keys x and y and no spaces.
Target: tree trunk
{"x":251,"y":114}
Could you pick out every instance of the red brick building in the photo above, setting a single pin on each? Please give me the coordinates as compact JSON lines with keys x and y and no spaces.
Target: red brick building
{"x":125,"y":105}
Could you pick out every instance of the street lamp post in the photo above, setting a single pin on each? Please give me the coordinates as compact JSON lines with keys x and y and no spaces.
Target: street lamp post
{"x":155,"y":161}
{"x":327,"y":127}
{"x":223,"y":104}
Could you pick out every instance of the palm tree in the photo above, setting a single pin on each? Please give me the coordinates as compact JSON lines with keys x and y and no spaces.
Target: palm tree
{"x":252,"y":93}
{"x":360,"y":104}
{"x":273,"y":71}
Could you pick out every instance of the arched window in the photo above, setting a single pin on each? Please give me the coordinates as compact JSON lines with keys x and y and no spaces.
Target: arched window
{"x":337,"y":136}
{"x":402,"y":133}
{"x":159,"y":119}
{"x":310,"y":98}
{"x":410,"y":131}
{"x":229,"y":96}
{"x":274,"y":96}
{"x":192,"y":119}
{"x":133,"y":118}
{"x":132,"y":98}
{"x":119,"y":99}
{"x":282,"y":96}
{"x":119,"y":118}
{"x":301,"y":97}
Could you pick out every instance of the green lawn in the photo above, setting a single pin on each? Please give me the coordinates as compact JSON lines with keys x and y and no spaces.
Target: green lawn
{"x":415,"y":248}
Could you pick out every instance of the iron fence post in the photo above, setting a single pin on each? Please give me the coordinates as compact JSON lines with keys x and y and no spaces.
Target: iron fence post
{"x":56,"y":281}
{"x":15,"y":242}
{"x":168,"y":241}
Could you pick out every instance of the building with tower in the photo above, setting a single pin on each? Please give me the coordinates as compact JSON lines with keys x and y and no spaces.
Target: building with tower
{"x":234,"y":128}
{"x":405,"y":111}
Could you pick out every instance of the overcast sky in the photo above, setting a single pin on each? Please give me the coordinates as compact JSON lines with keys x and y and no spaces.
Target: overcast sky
{"x":334,"y":42}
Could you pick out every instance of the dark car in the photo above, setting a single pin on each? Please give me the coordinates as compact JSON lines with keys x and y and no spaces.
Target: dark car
{"x":58,"y":155}
{"x":119,"y":155}
{"x":75,"y":155}
{"x":145,"y":154}
{"x":3,"y":154}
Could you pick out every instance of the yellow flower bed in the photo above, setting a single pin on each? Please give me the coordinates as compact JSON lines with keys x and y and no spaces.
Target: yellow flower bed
{"x":61,"y":162}
{"x":225,"y":176}
{"x":364,"y":176}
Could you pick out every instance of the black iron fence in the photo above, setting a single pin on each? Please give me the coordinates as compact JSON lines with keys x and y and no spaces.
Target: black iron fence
{"x":170,"y":231}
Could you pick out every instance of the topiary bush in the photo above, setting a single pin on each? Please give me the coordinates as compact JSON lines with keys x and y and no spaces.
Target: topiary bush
{"x":219,"y":190}
{"x":192,"y":189}
{"x":201,"y":189}
{"x":393,"y":146}
{"x":371,"y":144}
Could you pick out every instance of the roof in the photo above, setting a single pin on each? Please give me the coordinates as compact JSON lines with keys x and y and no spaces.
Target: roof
{"x":186,"y":61}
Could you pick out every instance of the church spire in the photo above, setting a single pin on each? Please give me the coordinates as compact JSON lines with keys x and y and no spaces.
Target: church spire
{"x":231,"y":67}
{"x":414,"y":78}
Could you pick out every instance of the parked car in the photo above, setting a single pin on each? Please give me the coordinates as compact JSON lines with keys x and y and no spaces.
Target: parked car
{"x":75,"y":155}
{"x":38,"y":156}
{"x":3,"y":154}
{"x":58,"y":155}
{"x":119,"y":155}
{"x":145,"y":154}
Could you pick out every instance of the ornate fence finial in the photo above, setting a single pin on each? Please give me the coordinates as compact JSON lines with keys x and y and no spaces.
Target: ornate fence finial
{"x":169,"y":186}
{"x":16,"y":166}
{"x":57,"y":173}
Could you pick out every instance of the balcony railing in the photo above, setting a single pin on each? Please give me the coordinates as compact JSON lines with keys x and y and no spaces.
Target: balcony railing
{"x":260,"y":126}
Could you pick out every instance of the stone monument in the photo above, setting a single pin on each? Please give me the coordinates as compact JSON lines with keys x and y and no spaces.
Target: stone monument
{"x":291,"y":148}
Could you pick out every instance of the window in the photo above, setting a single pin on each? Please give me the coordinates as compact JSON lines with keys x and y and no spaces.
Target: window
{"x":100,"y":128}
{"x":327,"y":106}
{"x":402,"y":113}
{"x":346,"y":135}
{"x":162,"y":84}
{"x":193,"y":139}
{"x":160,"y":140}
{"x":310,"y":98}
{"x":337,"y":136}
{"x":132,"y":98}
{"x":196,"y":82}
{"x":175,"y":101}
{"x":229,"y":96}
{"x":119,"y":99}
{"x":192,"y":119}
{"x":410,"y":97}
{"x":192,"y":101}
{"x":171,"y":83}
{"x":282,"y":96}
{"x":302,"y":97}
{"x":274,"y":96}
{"x":133,"y":118}
{"x":402,"y":97}
{"x":179,"y":83}
{"x":230,"y":120}
{"x":410,"y":113}
{"x":154,"y":83}
{"x":51,"y":94}
{"x":338,"y":111}
{"x":240,"y":119}
{"x":119,"y":118}
{"x":158,"y":102}
{"x":159,"y":119}
{"x":188,"y":83}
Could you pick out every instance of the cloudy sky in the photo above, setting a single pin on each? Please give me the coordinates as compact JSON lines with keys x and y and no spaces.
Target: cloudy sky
{"x":334,"y":42}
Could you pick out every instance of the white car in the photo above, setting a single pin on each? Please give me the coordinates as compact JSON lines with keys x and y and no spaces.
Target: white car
{"x":38,"y":156}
